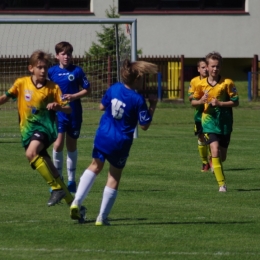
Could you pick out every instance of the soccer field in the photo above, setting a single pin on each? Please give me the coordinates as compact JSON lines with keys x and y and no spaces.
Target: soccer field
{"x":166,"y":208}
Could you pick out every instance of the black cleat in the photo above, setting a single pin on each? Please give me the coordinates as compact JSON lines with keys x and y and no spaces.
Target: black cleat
{"x":56,"y":197}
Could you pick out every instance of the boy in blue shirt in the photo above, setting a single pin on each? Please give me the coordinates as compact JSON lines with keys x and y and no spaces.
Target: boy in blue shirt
{"x":74,"y":85}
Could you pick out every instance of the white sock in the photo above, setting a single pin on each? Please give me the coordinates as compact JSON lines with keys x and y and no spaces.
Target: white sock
{"x":57,"y":158}
{"x":109,"y":197}
{"x":86,"y":181}
{"x":71,"y":164}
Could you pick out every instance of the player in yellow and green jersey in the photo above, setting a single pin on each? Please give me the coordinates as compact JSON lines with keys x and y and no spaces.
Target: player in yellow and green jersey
{"x":218,"y":95}
{"x":202,"y":146}
{"x":38,"y":100}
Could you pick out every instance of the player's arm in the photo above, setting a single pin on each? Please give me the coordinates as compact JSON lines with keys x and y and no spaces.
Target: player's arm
{"x":233,"y":97}
{"x":153,"y":102}
{"x":216,"y":103}
{"x":4,"y":98}
{"x":102,"y":107}
{"x":198,"y":102}
{"x":58,"y":107}
{"x":78,"y":95}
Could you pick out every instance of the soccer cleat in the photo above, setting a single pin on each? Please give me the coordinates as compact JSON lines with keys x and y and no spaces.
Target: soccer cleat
{"x":222,"y":188}
{"x":205,"y":167}
{"x":102,"y":222}
{"x":72,"y":186}
{"x":78,"y":214}
{"x":56,"y":197}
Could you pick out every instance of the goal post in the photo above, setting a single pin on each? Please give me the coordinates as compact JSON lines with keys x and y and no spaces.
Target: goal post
{"x":20,"y":37}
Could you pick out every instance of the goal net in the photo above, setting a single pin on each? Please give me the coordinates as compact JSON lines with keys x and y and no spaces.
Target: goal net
{"x":99,"y":46}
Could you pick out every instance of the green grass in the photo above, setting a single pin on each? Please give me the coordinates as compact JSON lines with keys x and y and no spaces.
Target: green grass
{"x":166,"y":208}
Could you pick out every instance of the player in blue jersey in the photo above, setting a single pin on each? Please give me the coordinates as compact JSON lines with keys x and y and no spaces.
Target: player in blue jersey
{"x":124,"y":109}
{"x":74,"y":85}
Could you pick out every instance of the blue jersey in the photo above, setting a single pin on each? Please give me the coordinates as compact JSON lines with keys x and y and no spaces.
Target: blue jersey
{"x":124,"y":108}
{"x":69,"y":80}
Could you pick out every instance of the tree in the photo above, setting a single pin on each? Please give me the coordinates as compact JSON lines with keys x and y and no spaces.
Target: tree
{"x":107,"y":39}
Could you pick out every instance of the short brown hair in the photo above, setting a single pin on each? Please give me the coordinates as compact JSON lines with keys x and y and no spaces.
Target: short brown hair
{"x":214,"y":56}
{"x":63,"y":46}
{"x":130,"y":71}
{"x":39,"y":55}
{"x":201,"y":60}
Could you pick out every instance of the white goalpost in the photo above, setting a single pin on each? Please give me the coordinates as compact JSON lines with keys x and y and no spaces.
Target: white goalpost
{"x":20,"y":37}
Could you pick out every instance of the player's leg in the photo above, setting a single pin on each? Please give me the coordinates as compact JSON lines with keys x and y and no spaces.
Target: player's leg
{"x":57,"y":152}
{"x":110,"y":190}
{"x":202,"y":147}
{"x":72,"y":157}
{"x":86,"y":181}
{"x":216,"y":160}
{"x":68,"y":197}
{"x":40,"y":161}
{"x":109,"y":196}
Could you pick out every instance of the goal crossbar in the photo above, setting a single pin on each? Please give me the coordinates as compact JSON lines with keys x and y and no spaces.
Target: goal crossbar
{"x":132,"y":22}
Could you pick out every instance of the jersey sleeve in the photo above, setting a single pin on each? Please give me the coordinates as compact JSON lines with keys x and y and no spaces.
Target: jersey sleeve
{"x":144,"y":116}
{"x":14,"y":90}
{"x":232,"y":91}
{"x":84,"y":83}
{"x":58,"y":97}
{"x":191,"y":88}
{"x":198,"y":93}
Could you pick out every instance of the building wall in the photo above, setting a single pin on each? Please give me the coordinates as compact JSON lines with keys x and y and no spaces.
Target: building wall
{"x":234,"y":36}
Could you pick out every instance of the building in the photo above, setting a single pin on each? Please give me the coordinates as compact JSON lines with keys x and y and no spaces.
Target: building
{"x":164,"y":27}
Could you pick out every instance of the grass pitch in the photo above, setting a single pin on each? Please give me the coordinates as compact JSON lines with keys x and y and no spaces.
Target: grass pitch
{"x":165,"y":209}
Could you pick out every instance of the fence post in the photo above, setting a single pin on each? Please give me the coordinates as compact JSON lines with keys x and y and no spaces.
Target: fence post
{"x":159,"y":79}
{"x":249,"y":90}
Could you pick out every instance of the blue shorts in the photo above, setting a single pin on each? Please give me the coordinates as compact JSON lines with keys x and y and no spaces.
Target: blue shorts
{"x":117,"y":159}
{"x":73,"y":130}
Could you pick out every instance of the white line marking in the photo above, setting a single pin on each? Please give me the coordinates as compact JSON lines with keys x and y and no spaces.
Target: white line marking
{"x":126,"y":252}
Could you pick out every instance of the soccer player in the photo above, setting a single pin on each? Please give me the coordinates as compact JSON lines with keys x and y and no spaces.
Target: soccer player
{"x":38,"y":100}
{"x":74,"y":85}
{"x":124,"y":108}
{"x":202,"y":146}
{"x":218,"y":95}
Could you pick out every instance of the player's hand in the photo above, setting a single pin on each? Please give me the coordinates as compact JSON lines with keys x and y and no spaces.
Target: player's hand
{"x":53,"y":106}
{"x":214,"y":102}
{"x":204,"y":99}
{"x":68,"y":97}
{"x":152,"y":99}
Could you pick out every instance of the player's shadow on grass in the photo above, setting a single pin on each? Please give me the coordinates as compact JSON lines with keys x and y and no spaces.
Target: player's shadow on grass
{"x":10,"y":142}
{"x":139,"y":221}
{"x":247,"y":190}
{"x":238,"y":169}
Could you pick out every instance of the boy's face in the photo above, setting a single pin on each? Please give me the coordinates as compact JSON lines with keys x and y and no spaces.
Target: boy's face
{"x":64,"y":59}
{"x":39,"y":71}
{"x":213,"y":68}
{"x":202,"y":69}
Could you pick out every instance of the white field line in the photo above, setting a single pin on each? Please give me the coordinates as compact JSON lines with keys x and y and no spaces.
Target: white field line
{"x":124,"y":252}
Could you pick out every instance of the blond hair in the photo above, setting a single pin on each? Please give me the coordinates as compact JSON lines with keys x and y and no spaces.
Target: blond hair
{"x":130,"y":71}
{"x":39,"y":55}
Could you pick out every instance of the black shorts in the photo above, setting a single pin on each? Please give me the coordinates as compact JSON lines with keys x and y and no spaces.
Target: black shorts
{"x":198,"y":128}
{"x":43,"y":138}
{"x":223,"y":140}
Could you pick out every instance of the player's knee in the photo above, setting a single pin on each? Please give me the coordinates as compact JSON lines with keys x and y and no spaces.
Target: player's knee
{"x":201,"y":142}
{"x":30,"y":155}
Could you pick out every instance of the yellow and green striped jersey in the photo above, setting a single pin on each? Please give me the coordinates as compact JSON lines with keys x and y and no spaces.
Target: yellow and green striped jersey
{"x":32,"y":103}
{"x":218,"y":120}
{"x":199,"y":109}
